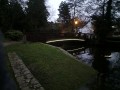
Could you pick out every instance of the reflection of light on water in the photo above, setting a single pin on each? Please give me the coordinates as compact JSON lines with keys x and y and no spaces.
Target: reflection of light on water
{"x":107,"y":63}
{"x":107,"y":56}
{"x":75,"y":49}
{"x":85,"y":57}
{"x":115,"y":56}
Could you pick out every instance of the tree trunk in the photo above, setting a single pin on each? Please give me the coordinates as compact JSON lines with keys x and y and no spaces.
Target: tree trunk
{"x":108,"y":12}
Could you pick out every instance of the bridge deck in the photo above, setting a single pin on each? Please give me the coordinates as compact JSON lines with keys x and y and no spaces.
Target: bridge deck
{"x":61,"y":40}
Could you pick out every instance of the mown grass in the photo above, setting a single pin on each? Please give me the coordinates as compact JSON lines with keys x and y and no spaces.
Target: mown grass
{"x":54,"y":69}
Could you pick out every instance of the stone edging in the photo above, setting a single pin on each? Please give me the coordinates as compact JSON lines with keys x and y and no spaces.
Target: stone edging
{"x":65,"y":52}
{"x":23,"y":76}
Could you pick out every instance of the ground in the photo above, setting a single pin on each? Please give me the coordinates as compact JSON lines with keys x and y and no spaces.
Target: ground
{"x":54,"y":69}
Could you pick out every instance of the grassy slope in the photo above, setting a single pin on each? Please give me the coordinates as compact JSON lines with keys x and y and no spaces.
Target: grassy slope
{"x":53,"y":69}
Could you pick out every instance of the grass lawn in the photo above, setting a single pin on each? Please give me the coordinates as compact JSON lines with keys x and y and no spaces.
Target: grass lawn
{"x":54,"y":69}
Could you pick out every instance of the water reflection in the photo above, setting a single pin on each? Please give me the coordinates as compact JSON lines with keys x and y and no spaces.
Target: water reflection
{"x":100,"y":60}
{"x":104,"y":60}
{"x":85,"y":56}
{"x":101,"y":64}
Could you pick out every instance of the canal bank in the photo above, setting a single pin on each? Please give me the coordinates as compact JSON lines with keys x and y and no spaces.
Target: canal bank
{"x":54,"y":69}
{"x":103,"y":58}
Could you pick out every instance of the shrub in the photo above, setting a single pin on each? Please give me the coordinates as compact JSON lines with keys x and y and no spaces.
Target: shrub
{"x":14,"y":35}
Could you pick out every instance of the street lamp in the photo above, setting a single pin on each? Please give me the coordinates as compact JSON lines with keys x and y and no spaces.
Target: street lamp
{"x":76,"y":22}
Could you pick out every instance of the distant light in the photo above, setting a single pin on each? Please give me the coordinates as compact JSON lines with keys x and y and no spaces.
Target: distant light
{"x":76,"y":22}
{"x":113,"y":26}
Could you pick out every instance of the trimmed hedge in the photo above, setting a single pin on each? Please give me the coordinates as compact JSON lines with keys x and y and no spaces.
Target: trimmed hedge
{"x":14,"y":35}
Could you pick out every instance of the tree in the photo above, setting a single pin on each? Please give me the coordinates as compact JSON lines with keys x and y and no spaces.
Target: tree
{"x":3,"y":13}
{"x":11,"y":15}
{"x":104,"y":21}
{"x":87,"y":8}
{"x":78,"y":9}
{"x":16,"y":15}
{"x":101,"y":12}
{"x":36,"y":14}
{"x":64,"y":13}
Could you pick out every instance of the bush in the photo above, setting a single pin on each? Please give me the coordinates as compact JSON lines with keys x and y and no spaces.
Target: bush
{"x":14,"y":35}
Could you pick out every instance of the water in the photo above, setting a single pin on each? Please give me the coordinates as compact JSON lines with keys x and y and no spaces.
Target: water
{"x":106,"y":61}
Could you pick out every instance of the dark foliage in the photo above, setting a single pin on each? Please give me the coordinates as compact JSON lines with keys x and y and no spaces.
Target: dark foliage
{"x":36,"y":14}
{"x":64,"y":13}
{"x":101,"y":27}
{"x":11,"y":15}
{"x":14,"y":35}
{"x":3,"y":13}
{"x":42,"y":35}
{"x":23,"y":16}
{"x":103,"y":23}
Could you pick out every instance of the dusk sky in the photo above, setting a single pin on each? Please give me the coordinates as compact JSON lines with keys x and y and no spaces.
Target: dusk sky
{"x":53,"y":6}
